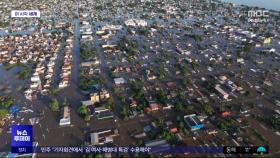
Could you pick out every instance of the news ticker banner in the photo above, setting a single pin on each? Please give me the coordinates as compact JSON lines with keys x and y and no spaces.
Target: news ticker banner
{"x":161,"y":150}
{"x":246,"y":150}
{"x":155,"y":150}
{"x":22,"y":142}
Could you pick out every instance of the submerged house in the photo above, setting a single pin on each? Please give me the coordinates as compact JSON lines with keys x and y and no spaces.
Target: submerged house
{"x":193,"y":122}
{"x":65,"y":120}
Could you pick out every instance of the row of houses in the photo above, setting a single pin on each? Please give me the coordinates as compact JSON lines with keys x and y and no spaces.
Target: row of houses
{"x":42,"y":78}
{"x":37,"y":48}
{"x":67,"y":62}
{"x":96,"y":96}
{"x":23,"y":49}
{"x":85,"y":29}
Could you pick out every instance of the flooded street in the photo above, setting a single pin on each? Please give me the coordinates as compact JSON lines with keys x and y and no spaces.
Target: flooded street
{"x":139,"y":74}
{"x":48,"y":127}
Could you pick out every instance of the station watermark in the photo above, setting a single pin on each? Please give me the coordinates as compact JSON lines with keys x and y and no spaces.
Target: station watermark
{"x":258,"y":16}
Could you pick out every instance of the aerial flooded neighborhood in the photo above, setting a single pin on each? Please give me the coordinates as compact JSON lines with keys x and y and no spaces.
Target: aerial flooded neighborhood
{"x":157,"y":76}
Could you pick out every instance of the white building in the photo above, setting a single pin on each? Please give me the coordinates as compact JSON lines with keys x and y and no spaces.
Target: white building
{"x":224,"y":94}
{"x":136,"y":22}
{"x":119,"y":81}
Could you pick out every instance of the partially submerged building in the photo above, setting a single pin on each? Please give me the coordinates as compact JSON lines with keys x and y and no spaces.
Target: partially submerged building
{"x":193,"y":122}
{"x":65,"y":120}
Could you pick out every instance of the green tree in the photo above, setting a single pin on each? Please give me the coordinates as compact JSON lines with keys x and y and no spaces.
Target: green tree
{"x":197,"y":38}
{"x":65,"y":102}
{"x":109,"y":104}
{"x":3,"y":113}
{"x":54,"y":105}
{"x":23,"y":74}
{"x":167,"y":135}
{"x":208,"y":109}
{"x":7,"y":103}
{"x":160,"y":122}
{"x":87,"y":117}
{"x":222,"y":125}
{"x":190,"y":108}
{"x":247,"y":47}
{"x":124,"y":111}
{"x":85,"y":52}
{"x":179,"y":107}
{"x":182,"y":125}
{"x":222,"y":108}
{"x":194,"y":64}
{"x":185,"y":72}
{"x":83,"y":110}
{"x":143,"y":31}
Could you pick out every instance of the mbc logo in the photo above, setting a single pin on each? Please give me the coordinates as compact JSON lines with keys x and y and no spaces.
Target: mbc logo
{"x":258,"y":13}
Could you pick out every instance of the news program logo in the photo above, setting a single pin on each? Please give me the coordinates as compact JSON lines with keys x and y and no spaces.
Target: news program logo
{"x":258,"y":16}
{"x":21,"y":139}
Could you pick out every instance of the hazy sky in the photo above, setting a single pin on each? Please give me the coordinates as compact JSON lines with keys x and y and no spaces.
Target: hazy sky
{"x":268,"y":4}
